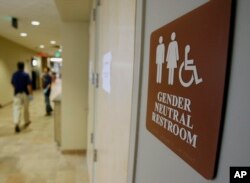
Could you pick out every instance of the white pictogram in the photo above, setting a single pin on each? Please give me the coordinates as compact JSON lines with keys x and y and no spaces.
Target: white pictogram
{"x":160,"y":54}
{"x":188,"y":65}
{"x":172,"y":58}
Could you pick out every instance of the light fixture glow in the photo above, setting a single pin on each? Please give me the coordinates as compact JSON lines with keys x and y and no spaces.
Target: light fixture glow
{"x":52,"y":42}
{"x":34,"y":63}
{"x":36,"y":23}
{"x":41,"y":46}
{"x":54,"y":59}
{"x":23,"y":34}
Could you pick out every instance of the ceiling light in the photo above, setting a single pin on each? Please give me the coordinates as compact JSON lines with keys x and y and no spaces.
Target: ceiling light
{"x":41,"y":46}
{"x":52,"y":42}
{"x":23,"y":34}
{"x":36,"y":23}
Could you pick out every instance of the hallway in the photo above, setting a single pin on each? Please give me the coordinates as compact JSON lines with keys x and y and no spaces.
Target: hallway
{"x":32,"y":156}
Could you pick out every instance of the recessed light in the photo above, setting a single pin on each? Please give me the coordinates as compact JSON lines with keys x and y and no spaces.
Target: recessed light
{"x":36,"y":23}
{"x":52,"y":42}
{"x":41,"y":46}
{"x":23,"y":34}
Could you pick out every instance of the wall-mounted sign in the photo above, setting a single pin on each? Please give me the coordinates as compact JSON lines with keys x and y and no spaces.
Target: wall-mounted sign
{"x":188,"y":62}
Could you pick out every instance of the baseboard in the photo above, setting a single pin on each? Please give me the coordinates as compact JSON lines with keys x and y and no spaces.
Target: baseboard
{"x":74,"y":152}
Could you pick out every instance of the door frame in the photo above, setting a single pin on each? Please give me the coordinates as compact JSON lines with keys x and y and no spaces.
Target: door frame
{"x":94,"y":98}
{"x":137,"y":87}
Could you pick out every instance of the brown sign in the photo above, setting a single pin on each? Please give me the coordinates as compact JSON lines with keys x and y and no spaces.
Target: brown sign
{"x":188,"y":59}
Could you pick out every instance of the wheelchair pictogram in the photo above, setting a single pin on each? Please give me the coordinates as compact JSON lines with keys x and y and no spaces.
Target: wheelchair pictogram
{"x":188,"y":65}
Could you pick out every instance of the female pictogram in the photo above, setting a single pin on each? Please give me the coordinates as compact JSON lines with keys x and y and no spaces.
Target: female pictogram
{"x":188,"y":65}
{"x":172,"y":58}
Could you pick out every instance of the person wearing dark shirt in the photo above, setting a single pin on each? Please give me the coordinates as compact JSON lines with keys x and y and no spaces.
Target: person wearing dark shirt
{"x":22,"y":92}
{"x":47,"y":81}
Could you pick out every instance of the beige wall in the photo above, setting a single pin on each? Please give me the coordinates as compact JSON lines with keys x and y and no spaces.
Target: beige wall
{"x":157,"y":163}
{"x":74,"y":85}
{"x":10,"y":53}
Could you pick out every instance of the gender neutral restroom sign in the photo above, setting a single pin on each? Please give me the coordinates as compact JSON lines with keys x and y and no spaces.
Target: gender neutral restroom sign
{"x":187,"y":70}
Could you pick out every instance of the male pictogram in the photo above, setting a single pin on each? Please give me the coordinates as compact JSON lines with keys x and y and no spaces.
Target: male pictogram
{"x":160,"y":54}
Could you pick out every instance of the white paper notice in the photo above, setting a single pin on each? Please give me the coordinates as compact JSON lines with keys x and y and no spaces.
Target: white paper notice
{"x":106,"y":69}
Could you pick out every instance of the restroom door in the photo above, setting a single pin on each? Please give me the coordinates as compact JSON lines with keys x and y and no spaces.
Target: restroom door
{"x":112,"y":110}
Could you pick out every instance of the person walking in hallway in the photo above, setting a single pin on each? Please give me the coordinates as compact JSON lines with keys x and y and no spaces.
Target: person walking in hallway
{"x":47,"y":81}
{"x":22,"y":94}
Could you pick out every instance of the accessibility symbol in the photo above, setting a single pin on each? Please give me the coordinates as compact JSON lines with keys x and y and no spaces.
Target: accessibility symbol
{"x":188,"y":65}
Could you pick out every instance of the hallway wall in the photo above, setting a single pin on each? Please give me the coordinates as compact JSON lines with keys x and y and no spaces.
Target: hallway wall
{"x":10,"y":54}
{"x":157,"y":163}
{"x":74,"y":85}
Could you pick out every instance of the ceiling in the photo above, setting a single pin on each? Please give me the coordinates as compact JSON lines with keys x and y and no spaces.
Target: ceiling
{"x":50,"y":14}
